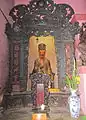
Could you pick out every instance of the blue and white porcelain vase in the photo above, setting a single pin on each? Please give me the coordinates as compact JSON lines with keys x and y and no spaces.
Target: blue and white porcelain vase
{"x":74,"y":104}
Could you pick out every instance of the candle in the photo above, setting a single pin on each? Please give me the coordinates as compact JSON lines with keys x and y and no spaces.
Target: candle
{"x":74,"y":68}
{"x":39,"y":116}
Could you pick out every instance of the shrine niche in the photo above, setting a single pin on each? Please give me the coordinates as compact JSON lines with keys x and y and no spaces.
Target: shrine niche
{"x":42,"y":48}
{"x":40,"y":18}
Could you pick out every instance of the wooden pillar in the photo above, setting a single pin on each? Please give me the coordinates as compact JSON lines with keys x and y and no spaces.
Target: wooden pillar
{"x":60,"y":53}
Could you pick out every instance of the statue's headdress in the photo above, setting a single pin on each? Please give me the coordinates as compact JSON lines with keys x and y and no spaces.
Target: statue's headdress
{"x":42,"y":46}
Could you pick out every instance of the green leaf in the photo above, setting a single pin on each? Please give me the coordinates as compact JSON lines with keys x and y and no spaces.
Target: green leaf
{"x":67,"y":81}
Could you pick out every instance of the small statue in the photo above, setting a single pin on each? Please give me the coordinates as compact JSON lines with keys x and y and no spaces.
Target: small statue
{"x":82,"y":44}
{"x":42,"y":64}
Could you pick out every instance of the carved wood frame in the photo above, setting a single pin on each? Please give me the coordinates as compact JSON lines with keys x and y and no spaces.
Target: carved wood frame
{"x":40,"y":17}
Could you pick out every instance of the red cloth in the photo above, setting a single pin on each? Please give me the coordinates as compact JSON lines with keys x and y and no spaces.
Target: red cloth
{"x":40,"y":94}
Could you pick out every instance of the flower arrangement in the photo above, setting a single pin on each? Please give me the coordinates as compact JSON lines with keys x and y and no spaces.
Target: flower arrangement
{"x":72,"y":81}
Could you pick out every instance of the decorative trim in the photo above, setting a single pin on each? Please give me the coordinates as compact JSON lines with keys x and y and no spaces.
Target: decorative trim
{"x":43,"y":17}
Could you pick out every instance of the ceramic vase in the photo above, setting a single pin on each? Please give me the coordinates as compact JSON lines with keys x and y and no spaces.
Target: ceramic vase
{"x":74,"y":104}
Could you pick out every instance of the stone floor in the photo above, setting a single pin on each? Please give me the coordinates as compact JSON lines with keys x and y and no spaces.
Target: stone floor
{"x":26,"y":113}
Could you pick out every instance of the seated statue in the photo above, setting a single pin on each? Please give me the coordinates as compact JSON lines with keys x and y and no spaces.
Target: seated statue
{"x":41,"y":74}
{"x":42,"y":64}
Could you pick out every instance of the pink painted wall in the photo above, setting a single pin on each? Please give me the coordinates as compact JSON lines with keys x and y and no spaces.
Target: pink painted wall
{"x":5,"y":5}
{"x":82,"y":87}
{"x":79,"y":6}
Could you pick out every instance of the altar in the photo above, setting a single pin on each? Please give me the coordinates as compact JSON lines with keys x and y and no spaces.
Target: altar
{"x":41,"y":43}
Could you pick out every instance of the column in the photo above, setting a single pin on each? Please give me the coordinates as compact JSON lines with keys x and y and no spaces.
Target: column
{"x":22,"y":65}
{"x":61,"y":63}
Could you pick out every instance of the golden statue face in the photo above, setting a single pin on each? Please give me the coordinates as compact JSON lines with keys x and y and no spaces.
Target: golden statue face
{"x":42,"y":54}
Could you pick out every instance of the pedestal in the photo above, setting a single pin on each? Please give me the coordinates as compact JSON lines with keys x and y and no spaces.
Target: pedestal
{"x":39,"y":89}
